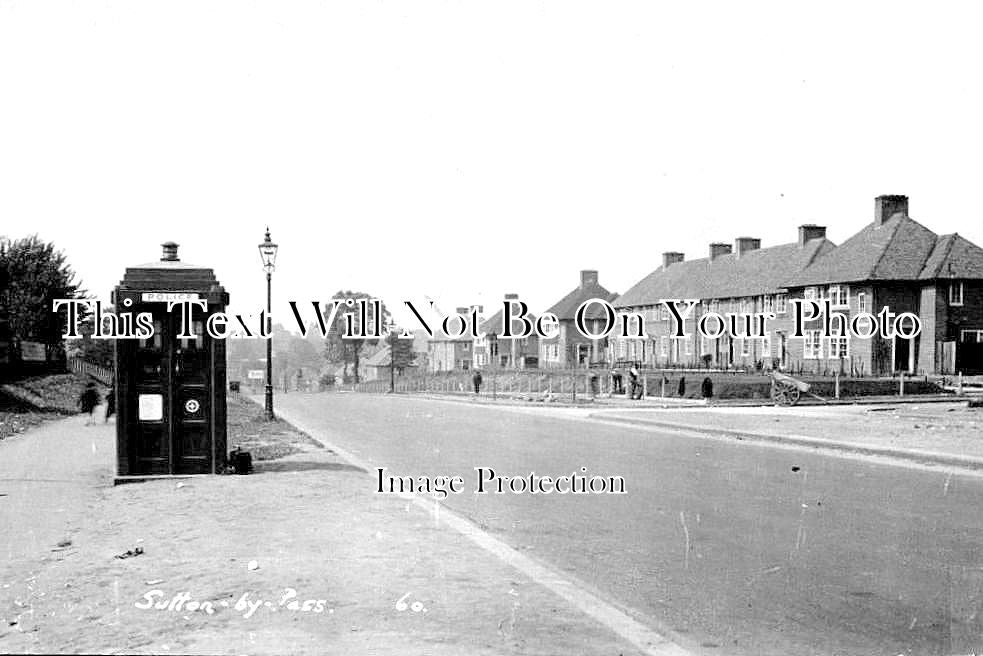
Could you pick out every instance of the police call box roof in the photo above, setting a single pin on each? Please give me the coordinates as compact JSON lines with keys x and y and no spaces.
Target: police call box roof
{"x":170,"y":274}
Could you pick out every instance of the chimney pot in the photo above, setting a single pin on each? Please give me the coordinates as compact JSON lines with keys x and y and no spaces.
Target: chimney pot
{"x":170,"y":252}
{"x":744,"y":245}
{"x":511,"y":297}
{"x":671,"y":257}
{"x":887,"y":206}
{"x":718,"y":249}
{"x":810,"y":231}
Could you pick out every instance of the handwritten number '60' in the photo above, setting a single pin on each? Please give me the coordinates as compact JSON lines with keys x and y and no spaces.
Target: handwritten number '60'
{"x":416,"y":606}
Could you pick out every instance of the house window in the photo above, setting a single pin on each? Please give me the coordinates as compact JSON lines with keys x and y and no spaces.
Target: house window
{"x":956,"y":293}
{"x":839,"y":296}
{"x":972,"y":336}
{"x":766,"y":347}
{"x":553,"y":352}
{"x":745,"y":347}
{"x":781,"y":303}
{"x":688,"y":347}
{"x":768,"y":303}
{"x":839,"y":348}
{"x":663,"y":346}
{"x":810,"y":293}
{"x":813,"y":346}
{"x":861,"y":301}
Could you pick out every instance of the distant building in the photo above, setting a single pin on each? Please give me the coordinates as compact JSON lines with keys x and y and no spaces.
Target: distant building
{"x":450,"y":353}
{"x":571,"y":348}
{"x":494,"y":352}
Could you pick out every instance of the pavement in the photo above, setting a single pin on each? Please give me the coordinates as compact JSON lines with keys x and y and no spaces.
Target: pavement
{"x":944,"y":434}
{"x":301,"y":558}
{"x":929,"y":429}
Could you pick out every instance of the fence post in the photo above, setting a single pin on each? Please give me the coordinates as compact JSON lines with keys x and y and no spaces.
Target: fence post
{"x":837,"y":386}
{"x":574,"y":381}
{"x":959,"y":387}
{"x":494,"y":387}
{"x":901,"y":388}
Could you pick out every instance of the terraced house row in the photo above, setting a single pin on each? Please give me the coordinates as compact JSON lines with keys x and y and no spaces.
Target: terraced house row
{"x":893,"y":262}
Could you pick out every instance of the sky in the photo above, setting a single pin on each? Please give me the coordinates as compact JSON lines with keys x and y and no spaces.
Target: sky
{"x":464,"y":150}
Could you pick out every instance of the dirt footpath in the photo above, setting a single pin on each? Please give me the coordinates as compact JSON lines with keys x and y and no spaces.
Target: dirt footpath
{"x":300,"y":557}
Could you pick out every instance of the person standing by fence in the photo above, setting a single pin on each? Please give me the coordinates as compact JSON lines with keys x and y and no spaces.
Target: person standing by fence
{"x":707,"y":390}
{"x":636,"y":388}
{"x":476,"y":380}
{"x":88,"y":401}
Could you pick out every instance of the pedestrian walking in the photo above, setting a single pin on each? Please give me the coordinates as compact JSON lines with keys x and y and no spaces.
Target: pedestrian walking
{"x":707,"y":390}
{"x":616,"y":384}
{"x":476,"y":379}
{"x":636,"y":388}
{"x":110,"y":403}
{"x":88,"y":401}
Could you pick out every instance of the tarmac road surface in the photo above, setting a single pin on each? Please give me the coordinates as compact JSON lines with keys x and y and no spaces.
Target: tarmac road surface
{"x":740,"y":548}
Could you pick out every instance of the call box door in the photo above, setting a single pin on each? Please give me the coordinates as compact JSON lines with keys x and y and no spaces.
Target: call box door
{"x":172,"y":380}
{"x":191,"y":437}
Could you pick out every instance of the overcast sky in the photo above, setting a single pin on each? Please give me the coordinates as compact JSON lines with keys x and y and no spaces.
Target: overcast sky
{"x":461,"y":150}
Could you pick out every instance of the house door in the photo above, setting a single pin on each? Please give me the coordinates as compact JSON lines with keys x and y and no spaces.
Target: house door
{"x":902,"y":355}
{"x":968,"y":354}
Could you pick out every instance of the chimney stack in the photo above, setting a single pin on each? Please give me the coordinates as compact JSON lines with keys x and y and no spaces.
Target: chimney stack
{"x":588,"y":277}
{"x":511,"y":297}
{"x":463,"y":311}
{"x":810,"y":231}
{"x":744,"y":245}
{"x":671,"y":257}
{"x":718,"y":249}
{"x":887,"y":206}
{"x":170,"y":252}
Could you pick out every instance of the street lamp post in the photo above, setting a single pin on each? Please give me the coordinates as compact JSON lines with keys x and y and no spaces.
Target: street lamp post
{"x":267,"y":251}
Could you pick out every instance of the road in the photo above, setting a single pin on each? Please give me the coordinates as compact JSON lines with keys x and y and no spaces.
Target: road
{"x":733,"y":548}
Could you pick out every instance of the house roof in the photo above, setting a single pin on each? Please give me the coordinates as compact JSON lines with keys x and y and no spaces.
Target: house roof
{"x":379,"y":359}
{"x":898,"y":249}
{"x":566,"y":307}
{"x":761,"y":271}
{"x":953,"y":257}
{"x":494,"y":325}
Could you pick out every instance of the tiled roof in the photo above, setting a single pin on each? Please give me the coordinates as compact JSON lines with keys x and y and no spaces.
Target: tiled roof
{"x":953,"y":257}
{"x":493,"y":325}
{"x":378,"y":359}
{"x":566,"y":308}
{"x":761,"y":271}
{"x":899,"y":249}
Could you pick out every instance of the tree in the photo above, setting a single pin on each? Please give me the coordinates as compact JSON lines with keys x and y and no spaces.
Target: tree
{"x":34,"y":274}
{"x":348,"y":350}
{"x":95,"y":351}
{"x":401,"y":354}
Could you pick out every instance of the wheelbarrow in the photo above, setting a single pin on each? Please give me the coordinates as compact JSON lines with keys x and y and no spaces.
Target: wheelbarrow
{"x":786,"y":390}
